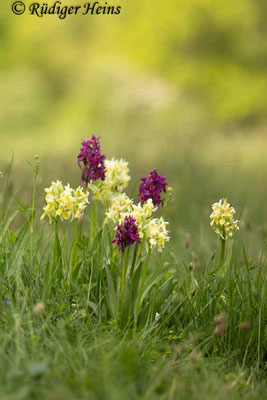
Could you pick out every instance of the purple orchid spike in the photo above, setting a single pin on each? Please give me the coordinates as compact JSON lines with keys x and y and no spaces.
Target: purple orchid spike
{"x":152,"y":187}
{"x":91,"y":161}
{"x":127,"y":233}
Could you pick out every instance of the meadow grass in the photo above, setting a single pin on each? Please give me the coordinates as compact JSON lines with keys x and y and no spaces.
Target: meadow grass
{"x":200,"y":329}
{"x":190,"y":100}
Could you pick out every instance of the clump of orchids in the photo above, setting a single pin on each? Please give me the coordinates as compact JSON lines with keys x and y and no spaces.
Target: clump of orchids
{"x":135,"y":225}
{"x":64,"y":203}
{"x":128,"y":225}
{"x":153,"y":231}
{"x":223,"y":223}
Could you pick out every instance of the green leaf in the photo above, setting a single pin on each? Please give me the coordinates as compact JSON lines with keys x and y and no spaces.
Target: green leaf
{"x":57,"y":261}
{"x":17,"y":250}
{"x":21,"y":206}
{"x":112,"y":297}
{"x":125,"y":307}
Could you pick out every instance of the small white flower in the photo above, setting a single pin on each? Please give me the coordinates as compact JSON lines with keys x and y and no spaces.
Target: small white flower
{"x":157,"y":317}
{"x":116,"y":174}
{"x":116,"y":180}
{"x":142,"y":212}
{"x":158,"y":233}
{"x":222,"y":219}
{"x":121,"y":204}
{"x":64,"y":202}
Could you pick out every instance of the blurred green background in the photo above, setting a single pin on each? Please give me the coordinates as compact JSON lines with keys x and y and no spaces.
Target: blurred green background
{"x":179,"y":85}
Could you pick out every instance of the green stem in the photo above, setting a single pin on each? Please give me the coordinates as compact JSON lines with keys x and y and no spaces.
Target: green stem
{"x":57,"y":253}
{"x":139,"y":254}
{"x":81,"y":218}
{"x":103,"y":234}
{"x":31,"y":230}
{"x":80,"y":222}
{"x":32,"y":216}
{"x":73,"y":260}
{"x":222,"y":253}
{"x":166,"y":208}
{"x":93,"y":222}
{"x":134,"y":259}
{"x":124,"y":268}
{"x":55,"y":241}
{"x":138,"y":301}
{"x":122,"y":278}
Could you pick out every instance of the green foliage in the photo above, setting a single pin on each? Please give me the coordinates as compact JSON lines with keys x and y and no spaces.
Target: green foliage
{"x":187,"y":80}
{"x":173,"y":329}
{"x":190,"y":88}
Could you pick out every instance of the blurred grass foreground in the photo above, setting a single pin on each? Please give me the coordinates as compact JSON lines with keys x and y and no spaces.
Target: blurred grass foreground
{"x":180,"y":86}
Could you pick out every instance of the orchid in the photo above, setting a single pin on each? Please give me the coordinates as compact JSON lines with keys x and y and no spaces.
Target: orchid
{"x":91,"y":161}
{"x":127,"y":233}
{"x":222,"y":219}
{"x":152,"y":187}
{"x":64,"y":202}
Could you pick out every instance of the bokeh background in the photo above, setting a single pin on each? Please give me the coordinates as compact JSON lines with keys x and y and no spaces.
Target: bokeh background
{"x":180,"y":86}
